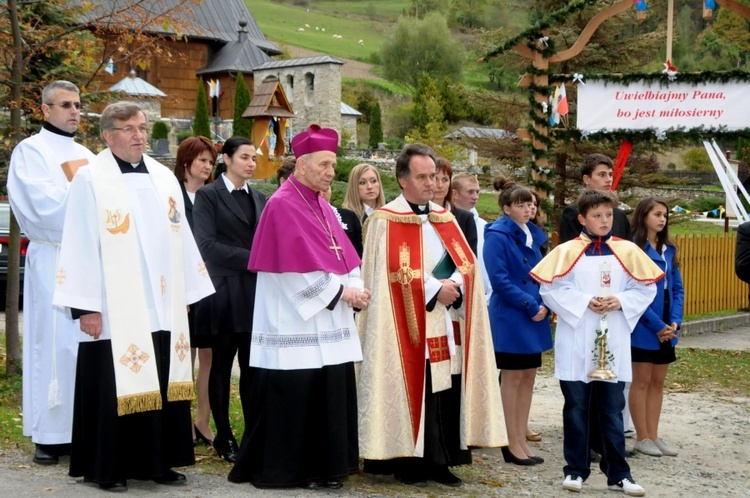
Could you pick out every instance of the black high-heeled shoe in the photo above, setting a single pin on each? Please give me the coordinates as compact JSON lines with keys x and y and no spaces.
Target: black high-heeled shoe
{"x":227,"y":450}
{"x":509,"y":457}
{"x":200,"y":437}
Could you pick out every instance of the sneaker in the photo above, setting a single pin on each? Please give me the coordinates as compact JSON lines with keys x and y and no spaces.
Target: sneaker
{"x":572,"y":483}
{"x":648,"y":447}
{"x":665,"y":449}
{"x":629,"y":487}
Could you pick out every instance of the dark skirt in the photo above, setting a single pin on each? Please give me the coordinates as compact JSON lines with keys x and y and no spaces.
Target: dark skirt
{"x":230,"y":309}
{"x":200,"y":341}
{"x":517,"y":361}
{"x":662,"y":356}
{"x":302,"y":428}
{"x":144,"y":445}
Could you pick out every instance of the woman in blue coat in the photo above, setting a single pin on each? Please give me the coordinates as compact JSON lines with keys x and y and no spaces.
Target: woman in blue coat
{"x":520,"y":327}
{"x":654,"y":338}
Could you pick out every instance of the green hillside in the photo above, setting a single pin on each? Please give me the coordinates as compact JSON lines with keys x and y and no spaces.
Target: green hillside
{"x":281,"y":23}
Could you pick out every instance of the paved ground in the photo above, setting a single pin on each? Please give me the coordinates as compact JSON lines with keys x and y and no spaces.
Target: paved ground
{"x":710,"y":432}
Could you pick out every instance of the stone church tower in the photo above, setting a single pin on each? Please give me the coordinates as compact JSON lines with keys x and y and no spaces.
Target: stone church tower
{"x":312,"y":86}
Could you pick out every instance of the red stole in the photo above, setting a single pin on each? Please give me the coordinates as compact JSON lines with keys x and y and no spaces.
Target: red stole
{"x":406,"y":280}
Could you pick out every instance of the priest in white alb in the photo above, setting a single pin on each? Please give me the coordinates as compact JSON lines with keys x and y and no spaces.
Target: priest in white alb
{"x":128,"y":269}
{"x":303,"y":427}
{"x":41,"y":168}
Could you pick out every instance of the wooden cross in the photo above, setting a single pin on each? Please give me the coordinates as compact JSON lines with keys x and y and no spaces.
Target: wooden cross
{"x":335,"y":247}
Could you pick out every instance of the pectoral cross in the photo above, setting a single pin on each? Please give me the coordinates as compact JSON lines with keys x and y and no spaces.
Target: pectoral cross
{"x":335,"y":247}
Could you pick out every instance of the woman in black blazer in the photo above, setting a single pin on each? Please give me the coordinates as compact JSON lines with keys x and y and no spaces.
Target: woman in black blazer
{"x":226,"y":214}
{"x":196,"y":157}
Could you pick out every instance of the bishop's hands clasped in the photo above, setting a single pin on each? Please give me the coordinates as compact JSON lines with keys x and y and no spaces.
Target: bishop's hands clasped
{"x":602,"y":305}
{"x":356,"y":297}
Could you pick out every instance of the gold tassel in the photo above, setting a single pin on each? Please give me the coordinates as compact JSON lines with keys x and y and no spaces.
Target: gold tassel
{"x":441,"y":217}
{"x":180,"y":391}
{"x":136,"y":403}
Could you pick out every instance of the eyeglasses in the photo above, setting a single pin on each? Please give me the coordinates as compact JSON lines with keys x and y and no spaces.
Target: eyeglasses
{"x":68,"y":105}
{"x":131,"y":130}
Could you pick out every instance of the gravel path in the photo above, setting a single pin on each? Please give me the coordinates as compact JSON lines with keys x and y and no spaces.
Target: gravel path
{"x":711,"y":433}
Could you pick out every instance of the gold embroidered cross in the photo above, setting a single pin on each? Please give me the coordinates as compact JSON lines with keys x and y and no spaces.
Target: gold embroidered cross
{"x":163,"y":286}
{"x":60,"y":276}
{"x":202,"y":268}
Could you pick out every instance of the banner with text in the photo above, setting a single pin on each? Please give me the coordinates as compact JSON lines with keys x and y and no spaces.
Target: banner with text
{"x":642,"y":105}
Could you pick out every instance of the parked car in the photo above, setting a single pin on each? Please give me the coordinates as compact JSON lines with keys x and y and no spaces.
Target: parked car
{"x":4,"y":239}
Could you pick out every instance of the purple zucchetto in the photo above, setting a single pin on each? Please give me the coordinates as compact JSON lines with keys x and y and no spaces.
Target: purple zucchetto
{"x":315,"y":139}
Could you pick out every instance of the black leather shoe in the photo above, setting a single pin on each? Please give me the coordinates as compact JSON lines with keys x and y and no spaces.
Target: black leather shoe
{"x":412,"y":480}
{"x":170,"y":477}
{"x":310,"y":485}
{"x":227,"y":450}
{"x":333,"y":484}
{"x":444,"y":476}
{"x":537,"y":459}
{"x":114,"y":486}
{"x":43,"y":456}
{"x":509,"y":457}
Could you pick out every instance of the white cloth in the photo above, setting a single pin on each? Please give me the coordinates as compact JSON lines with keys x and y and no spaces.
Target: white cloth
{"x":480,"y":252}
{"x":293,"y":329}
{"x":80,"y":257}
{"x":569,"y":296}
{"x":37,"y":189}
{"x":230,"y":186}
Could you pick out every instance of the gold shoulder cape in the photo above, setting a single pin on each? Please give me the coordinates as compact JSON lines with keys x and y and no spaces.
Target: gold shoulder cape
{"x":563,"y":258}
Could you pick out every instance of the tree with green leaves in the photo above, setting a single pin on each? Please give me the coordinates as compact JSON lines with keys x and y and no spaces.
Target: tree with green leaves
{"x":243,"y":127}
{"x":376,"y":126}
{"x":423,"y":46}
{"x":201,"y":123}
{"x":428,"y":103}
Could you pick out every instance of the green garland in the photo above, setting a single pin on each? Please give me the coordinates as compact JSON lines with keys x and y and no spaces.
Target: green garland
{"x":663,"y":79}
{"x":675,"y":137}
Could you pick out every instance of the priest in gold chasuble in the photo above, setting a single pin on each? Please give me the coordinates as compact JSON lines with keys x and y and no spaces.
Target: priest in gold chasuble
{"x":426,"y":390}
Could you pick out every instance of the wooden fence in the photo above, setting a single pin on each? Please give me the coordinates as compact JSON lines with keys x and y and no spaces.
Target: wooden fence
{"x":707,"y":267}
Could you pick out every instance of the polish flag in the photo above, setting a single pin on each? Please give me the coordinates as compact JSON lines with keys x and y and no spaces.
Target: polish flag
{"x":562,"y":100}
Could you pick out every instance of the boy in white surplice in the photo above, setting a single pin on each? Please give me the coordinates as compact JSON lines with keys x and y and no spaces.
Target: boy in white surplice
{"x":598,"y":285}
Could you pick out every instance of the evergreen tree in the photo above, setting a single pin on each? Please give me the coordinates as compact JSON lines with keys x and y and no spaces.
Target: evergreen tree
{"x":376,"y":126}
{"x":201,"y":124}
{"x":428,"y":103}
{"x":243,"y":127}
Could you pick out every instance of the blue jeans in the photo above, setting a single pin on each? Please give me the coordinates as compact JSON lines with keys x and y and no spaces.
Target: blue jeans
{"x":605,"y":401}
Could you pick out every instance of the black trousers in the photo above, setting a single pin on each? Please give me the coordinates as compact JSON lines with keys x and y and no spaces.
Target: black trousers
{"x":223,"y":350}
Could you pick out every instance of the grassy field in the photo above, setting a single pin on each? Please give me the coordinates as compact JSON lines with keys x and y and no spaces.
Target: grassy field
{"x":380,"y":10}
{"x":281,"y":24}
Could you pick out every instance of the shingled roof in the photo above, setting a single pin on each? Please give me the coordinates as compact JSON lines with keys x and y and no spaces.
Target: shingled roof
{"x":209,"y":19}
{"x":269,"y":100}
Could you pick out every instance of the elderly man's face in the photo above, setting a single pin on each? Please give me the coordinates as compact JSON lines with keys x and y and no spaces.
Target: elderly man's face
{"x":316,"y":170}
{"x":128,"y":139}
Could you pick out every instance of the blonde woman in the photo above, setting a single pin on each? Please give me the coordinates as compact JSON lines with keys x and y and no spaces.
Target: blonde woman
{"x":364,"y":193}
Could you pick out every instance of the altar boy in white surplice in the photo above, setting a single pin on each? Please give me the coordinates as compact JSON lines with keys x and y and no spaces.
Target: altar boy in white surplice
{"x":598,"y":285}
{"x":129,"y":267}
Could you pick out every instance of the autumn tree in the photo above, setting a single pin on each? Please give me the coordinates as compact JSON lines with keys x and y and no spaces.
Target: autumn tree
{"x":46,"y":40}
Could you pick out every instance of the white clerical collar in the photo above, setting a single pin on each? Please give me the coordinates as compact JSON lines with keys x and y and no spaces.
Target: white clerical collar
{"x":230,"y":185}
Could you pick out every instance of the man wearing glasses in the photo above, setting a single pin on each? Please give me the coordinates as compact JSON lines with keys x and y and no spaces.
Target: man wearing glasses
{"x":37,"y":187}
{"x":128,"y":269}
